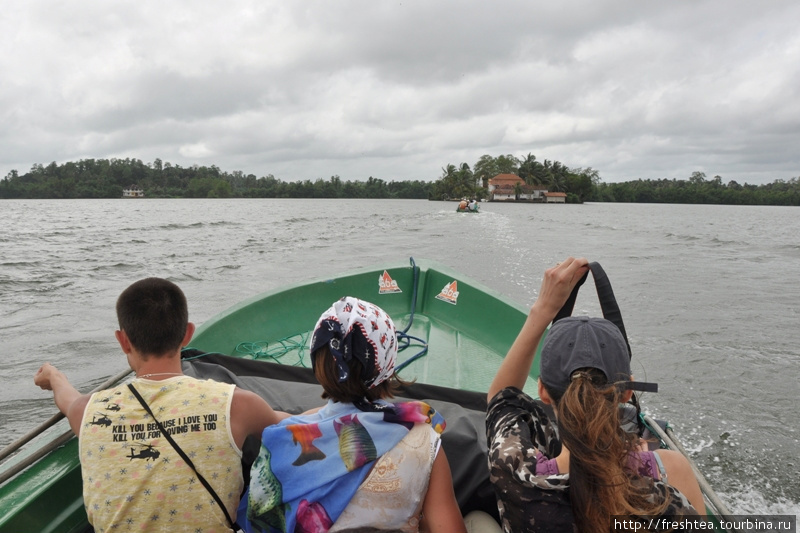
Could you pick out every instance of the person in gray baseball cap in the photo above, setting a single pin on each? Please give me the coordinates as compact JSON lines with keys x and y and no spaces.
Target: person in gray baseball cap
{"x":583,"y":342}
{"x":580,"y":470}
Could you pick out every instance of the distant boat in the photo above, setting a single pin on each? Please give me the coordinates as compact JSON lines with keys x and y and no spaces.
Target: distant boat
{"x":464,"y":207}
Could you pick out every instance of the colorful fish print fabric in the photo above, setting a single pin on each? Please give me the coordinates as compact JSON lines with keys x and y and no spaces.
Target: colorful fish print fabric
{"x":309,"y":467}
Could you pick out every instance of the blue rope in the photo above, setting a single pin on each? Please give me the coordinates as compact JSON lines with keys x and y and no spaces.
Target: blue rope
{"x":402,"y":336}
{"x":262,"y":349}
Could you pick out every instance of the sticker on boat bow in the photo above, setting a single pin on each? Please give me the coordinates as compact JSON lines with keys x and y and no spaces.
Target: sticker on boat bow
{"x":386,"y":285}
{"x":449,"y":293}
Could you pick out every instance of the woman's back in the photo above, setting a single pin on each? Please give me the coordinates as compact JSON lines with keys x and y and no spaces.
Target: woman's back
{"x":392,"y":495}
{"x":585,"y":375}
{"x":359,"y":463}
{"x":533,"y":497}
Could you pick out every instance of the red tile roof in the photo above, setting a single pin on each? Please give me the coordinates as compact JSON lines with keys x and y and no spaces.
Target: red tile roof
{"x":505,"y":179}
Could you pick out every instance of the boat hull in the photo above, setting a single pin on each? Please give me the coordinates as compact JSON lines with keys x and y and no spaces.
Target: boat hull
{"x":467,"y":327}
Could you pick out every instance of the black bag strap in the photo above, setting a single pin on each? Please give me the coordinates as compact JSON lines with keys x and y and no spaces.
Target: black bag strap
{"x":608,"y":302}
{"x":611,"y":312}
{"x":183,"y":455}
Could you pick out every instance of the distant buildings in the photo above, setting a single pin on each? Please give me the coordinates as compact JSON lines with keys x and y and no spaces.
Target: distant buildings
{"x":510,"y":187}
{"x":555,"y":197}
{"x":134,"y":191}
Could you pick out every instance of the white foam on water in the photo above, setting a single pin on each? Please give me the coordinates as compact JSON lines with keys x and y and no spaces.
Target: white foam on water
{"x":748,"y":500}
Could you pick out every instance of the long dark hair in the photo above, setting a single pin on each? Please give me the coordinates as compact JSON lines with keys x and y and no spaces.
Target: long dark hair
{"x":601,"y":484}
{"x":352,"y":389}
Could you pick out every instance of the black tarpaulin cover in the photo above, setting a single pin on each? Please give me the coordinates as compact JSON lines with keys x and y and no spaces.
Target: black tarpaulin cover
{"x":294,"y":390}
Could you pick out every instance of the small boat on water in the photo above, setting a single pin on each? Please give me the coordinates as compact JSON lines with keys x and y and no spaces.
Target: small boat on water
{"x":465,"y":206}
{"x":453,"y":334}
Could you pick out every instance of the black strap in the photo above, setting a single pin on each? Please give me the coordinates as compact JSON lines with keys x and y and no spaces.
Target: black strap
{"x":611,"y":312}
{"x":183,"y":455}
{"x":608,"y":302}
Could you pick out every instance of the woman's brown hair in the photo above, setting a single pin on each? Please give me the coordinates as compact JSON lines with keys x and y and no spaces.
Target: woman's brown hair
{"x":352,"y":389}
{"x":601,"y":485}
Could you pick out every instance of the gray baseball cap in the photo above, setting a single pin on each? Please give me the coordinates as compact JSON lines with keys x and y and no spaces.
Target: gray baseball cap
{"x":586,"y":342}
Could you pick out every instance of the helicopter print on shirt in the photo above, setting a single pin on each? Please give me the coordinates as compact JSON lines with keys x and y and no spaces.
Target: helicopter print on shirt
{"x":146,"y":452}
{"x":100,"y":419}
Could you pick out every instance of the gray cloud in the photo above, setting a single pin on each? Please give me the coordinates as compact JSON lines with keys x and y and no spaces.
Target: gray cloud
{"x":399,"y":90}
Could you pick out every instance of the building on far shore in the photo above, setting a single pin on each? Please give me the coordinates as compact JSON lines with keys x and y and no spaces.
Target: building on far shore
{"x":134,"y":191}
{"x":555,"y":197}
{"x":502,"y":188}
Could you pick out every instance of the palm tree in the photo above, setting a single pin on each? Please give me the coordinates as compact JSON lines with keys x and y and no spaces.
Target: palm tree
{"x":517,"y":190}
{"x":485,"y":169}
{"x":467,"y":179}
{"x":507,"y":164}
{"x":527,"y":169}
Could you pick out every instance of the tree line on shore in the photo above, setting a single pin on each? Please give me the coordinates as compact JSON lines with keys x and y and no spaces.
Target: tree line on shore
{"x":699,"y":190}
{"x":106,"y":178}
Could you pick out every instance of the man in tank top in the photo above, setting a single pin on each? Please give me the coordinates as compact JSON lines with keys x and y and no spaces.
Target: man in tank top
{"x":133,"y":477}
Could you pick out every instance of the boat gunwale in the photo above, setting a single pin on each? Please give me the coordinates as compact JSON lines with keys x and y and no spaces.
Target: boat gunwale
{"x":424,"y":265}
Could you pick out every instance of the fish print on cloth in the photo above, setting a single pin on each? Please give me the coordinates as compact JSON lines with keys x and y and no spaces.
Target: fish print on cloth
{"x":355,"y":444}
{"x":410,"y":413}
{"x":312,"y":518}
{"x":264,"y":498}
{"x":304,"y":435}
{"x":316,"y":492}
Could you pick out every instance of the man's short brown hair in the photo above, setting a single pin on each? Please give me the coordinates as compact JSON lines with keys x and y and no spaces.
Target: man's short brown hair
{"x":154,"y":315}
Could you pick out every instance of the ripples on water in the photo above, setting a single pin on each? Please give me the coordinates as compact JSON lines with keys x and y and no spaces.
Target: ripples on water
{"x":708,"y":293}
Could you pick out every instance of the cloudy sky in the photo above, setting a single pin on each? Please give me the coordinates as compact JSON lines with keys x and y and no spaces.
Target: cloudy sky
{"x":397,"y":90}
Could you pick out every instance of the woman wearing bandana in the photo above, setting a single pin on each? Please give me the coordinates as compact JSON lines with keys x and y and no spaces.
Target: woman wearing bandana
{"x":359,"y":463}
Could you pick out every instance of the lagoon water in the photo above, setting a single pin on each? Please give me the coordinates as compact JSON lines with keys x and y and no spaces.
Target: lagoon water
{"x":709,"y":294}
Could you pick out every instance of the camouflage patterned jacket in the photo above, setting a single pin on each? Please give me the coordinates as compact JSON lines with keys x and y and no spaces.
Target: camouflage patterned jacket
{"x":517,"y":427}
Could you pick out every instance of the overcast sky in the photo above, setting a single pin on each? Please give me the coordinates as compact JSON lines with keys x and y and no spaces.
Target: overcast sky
{"x":397,"y":90}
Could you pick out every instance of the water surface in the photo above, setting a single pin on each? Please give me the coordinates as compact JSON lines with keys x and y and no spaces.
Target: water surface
{"x":708,"y":293}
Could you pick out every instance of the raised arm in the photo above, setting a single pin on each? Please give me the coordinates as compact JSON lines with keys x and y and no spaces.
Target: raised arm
{"x":69,"y":401}
{"x":556,"y":287}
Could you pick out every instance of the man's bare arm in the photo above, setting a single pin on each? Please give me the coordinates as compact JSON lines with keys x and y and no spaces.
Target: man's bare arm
{"x":67,"y":398}
{"x":250,"y":414}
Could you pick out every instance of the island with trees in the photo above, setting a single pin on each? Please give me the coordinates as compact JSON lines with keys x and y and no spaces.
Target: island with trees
{"x":108,"y":178}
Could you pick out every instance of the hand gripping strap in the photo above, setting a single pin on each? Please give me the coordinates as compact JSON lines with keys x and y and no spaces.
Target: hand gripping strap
{"x":611,"y":312}
{"x":608,"y":303}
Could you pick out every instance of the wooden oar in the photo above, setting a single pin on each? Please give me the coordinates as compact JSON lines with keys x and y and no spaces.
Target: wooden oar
{"x":38,"y":454}
{"x":17,"y":444}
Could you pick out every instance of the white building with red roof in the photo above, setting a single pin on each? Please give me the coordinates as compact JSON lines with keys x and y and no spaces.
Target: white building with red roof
{"x":503,"y":188}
